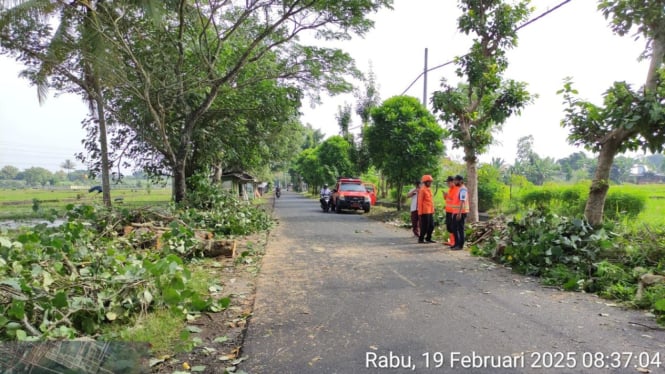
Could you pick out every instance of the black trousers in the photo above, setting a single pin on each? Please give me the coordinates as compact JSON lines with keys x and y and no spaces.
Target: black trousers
{"x":458,"y":229}
{"x":426,"y":227}
{"x":449,"y":222}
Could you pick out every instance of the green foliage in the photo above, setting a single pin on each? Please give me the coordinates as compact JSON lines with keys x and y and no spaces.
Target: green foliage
{"x":541,"y":239}
{"x":211,"y":208}
{"x":490,"y":188}
{"x":79,"y":278}
{"x":619,"y":205}
{"x":405,"y":141}
{"x":569,"y":253}
{"x":567,"y":200}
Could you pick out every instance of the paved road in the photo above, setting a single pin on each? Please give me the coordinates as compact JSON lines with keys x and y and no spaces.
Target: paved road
{"x":341,"y":293}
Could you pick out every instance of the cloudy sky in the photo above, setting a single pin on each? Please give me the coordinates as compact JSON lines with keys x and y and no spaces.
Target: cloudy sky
{"x":574,"y":41}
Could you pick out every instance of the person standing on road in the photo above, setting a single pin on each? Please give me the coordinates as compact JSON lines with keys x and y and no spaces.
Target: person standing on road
{"x":450,"y":209}
{"x":413,"y":194}
{"x":461,"y":203}
{"x":426,"y":210}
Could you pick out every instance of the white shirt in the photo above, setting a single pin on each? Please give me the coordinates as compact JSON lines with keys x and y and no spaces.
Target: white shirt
{"x":325,"y":191}
{"x":414,"y":199}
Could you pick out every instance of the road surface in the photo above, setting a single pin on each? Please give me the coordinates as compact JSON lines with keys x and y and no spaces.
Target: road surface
{"x":341,"y":293}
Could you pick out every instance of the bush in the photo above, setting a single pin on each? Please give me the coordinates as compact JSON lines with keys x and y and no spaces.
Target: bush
{"x":571,"y":201}
{"x":619,"y":204}
{"x":491,"y":190}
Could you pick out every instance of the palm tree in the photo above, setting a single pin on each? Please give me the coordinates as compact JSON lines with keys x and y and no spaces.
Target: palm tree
{"x":70,"y":59}
{"x":68,"y":165}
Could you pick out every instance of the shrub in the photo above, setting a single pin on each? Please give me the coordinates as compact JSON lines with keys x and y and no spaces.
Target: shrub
{"x":618,"y":204}
{"x":490,"y":188}
{"x":571,"y":201}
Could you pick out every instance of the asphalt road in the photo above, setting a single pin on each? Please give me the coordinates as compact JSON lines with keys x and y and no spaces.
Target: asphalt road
{"x":341,"y":293}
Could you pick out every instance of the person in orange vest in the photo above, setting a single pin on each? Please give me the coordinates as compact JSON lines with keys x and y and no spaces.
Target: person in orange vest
{"x":426,"y":210}
{"x":450,"y":209}
{"x":461,"y":203}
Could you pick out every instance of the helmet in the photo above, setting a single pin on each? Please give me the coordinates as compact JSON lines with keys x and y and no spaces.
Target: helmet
{"x":427,"y":178}
{"x":325,"y":185}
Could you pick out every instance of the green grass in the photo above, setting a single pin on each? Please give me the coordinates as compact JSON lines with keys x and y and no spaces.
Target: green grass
{"x":18,"y":203}
{"x":655,"y":202}
{"x":160,"y":328}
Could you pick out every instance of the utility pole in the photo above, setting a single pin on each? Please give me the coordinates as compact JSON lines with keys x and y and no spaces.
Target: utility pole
{"x":425,"y":81}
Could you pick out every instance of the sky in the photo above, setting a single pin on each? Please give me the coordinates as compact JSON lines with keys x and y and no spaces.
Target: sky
{"x":572,"y":41}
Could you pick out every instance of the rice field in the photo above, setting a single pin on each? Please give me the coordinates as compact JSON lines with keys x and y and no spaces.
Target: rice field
{"x":20,"y":203}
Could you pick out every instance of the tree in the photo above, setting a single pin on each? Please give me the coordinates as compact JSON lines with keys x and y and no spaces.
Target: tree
{"x":69,"y":58}
{"x":574,"y":162}
{"x":404,"y":141}
{"x":8,"y":172}
{"x":204,"y":52}
{"x":542,"y":170}
{"x":366,"y":101}
{"x":36,"y":176}
{"x":68,"y":165}
{"x":474,"y":109}
{"x":334,"y":158}
{"x":628,"y":119}
{"x":343,"y":118}
{"x":525,"y":156}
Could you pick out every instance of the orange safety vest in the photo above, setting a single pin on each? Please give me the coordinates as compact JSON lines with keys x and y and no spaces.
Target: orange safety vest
{"x":457,"y":202}
{"x":450,"y":207}
{"x":425,"y":201}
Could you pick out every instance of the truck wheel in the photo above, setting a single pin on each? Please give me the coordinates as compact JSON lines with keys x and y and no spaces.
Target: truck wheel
{"x":366,"y":210}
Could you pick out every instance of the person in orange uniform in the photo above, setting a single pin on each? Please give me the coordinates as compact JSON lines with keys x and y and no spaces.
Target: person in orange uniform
{"x":450,"y":209}
{"x":426,"y":210}
{"x":461,"y":203}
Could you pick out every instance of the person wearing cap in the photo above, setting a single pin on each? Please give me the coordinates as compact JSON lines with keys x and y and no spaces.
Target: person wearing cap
{"x":413,"y":194}
{"x":461,"y":204}
{"x":426,"y":210}
{"x":450,"y":209}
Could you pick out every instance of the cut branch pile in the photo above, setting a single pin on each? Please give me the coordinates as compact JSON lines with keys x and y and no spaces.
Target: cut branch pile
{"x":494,"y":230}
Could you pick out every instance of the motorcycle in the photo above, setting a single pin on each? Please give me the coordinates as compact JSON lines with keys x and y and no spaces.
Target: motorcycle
{"x":325,"y":202}
{"x":278,"y":192}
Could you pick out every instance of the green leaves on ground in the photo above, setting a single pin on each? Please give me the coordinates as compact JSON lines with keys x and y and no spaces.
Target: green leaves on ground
{"x":72,"y":280}
{"x":570,"y":253}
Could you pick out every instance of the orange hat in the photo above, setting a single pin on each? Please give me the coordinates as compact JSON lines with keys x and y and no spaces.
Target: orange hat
{"x":427,"y":178}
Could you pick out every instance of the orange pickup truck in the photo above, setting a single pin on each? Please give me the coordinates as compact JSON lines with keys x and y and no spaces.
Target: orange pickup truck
{"x":352,"y":193}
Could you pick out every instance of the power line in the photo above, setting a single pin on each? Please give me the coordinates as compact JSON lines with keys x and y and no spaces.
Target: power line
{"x":517,"y":29}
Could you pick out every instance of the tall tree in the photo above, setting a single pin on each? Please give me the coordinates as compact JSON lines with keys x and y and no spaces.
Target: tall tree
{"x":343,"y":118}
{"x":68,"y":58}
{"x":8,"y":172}
{"x":206,"y":51}
{"x":68,"y":165}
{"x":367,"y":100}
{"x":334,"y":157}
{"x":473,"y":110}
{"x":628,"y":119}
{"x":404,"y":141}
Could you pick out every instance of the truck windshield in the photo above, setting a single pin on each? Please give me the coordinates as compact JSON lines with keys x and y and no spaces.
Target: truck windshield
{"x":352,"y":187}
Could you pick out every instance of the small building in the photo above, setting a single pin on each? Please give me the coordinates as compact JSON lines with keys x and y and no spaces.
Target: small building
{"x":239,"y":183}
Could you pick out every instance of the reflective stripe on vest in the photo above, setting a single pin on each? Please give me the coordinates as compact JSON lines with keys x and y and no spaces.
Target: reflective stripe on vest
{"x":456,"y":203}
{"x":450,"y":200}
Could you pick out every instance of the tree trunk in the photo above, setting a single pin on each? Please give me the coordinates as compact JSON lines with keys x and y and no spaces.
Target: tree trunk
{"x":179,"y":181}
{"x":217,"y":174}
{"x":471,"y":183}
{"x":400,"y":188}
{"x":593,"y":211}
{"x":103,"y":143}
